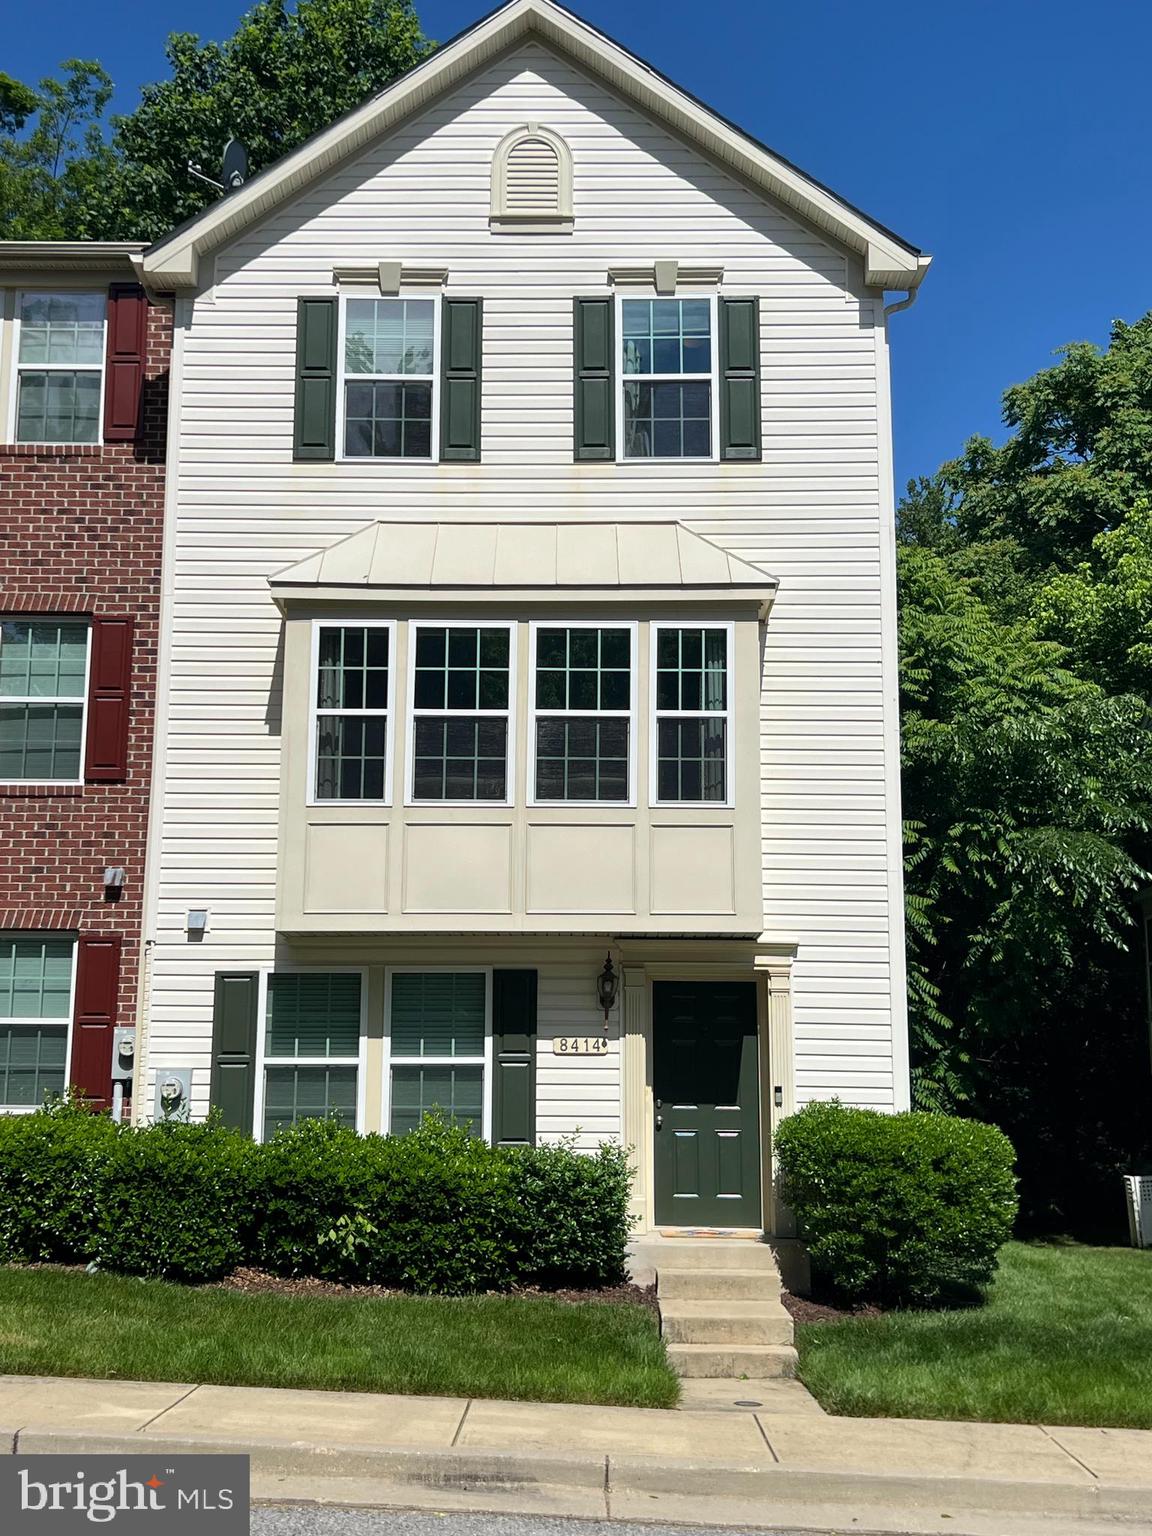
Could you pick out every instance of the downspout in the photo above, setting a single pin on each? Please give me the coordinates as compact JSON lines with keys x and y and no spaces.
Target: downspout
{"x":906,"y":303}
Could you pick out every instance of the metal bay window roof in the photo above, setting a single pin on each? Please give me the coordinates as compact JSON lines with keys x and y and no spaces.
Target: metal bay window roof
{"x":589,"y":561}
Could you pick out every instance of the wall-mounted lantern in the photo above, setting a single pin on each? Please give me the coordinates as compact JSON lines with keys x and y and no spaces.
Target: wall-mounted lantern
{"x":607,"y":985}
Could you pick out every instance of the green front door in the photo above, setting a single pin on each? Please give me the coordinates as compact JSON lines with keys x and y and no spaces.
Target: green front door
{"x":707,"y":1116}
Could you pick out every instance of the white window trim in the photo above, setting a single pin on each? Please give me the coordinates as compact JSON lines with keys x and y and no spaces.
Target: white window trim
{"x":68,"y":1022}
{"x":14,"y":379}
{"x":728,"y":714}
{"x":314,"y":710}
{"x":485,"y":1061}
{"x":81,"y":699}
{"x":713,"y":378}
{"x":263,"y":1061}
{"x":509,"y":714}
{"x":630,"y":714}
{"x":342,"y":457}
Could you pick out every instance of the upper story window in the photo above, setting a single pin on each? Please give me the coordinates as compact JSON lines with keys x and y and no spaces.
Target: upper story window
{"x":584,"y":702}
{"x":667,"y":391}
{"x":352,"y":712}
{"x":59,"y":367}
{"x":389,"y":389}
{"x":43,"y":689}
{"x":461,"y":695}
{"x":36,"y":983}
{"x":692,"y":686}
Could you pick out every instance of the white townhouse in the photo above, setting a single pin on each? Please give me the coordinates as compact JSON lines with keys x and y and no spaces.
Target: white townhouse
{"x":528,"y":742}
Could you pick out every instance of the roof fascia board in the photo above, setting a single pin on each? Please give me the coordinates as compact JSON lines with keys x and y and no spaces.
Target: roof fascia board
{"x":174,"y":261}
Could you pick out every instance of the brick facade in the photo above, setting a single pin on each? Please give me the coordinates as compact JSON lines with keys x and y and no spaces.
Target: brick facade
{"x":80,"y":532}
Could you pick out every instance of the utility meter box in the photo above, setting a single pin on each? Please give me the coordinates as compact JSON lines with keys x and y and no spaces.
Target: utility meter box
{"x":123,"y":1054}
{"x":173,"y":1093}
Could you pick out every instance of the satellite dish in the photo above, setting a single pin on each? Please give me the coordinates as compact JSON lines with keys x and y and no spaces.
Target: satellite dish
{"x":235,"y":165}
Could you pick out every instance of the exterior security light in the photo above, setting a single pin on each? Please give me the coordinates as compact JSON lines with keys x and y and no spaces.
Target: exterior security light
{"x":113,"y":879}
{"x":197,"y":921}
{"x":607,"y":985}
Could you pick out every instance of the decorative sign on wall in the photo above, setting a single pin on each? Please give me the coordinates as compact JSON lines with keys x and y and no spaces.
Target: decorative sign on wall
{"x":579,"y":1045}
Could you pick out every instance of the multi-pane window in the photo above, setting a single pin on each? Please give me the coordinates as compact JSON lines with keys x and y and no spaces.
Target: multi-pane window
{"x":692,"y":687}
{"x":43,"y":681}
{"x":666,"y":378}
{"x":583,"y":713}
{"x":311,"y":1047}
{"x":438,"y":1027}
{"x":389,"y":378}
{"x":460,"y":710}
{"x":59,"y":365}
{"x":35,"y":1004}
{"x":353,"y":676}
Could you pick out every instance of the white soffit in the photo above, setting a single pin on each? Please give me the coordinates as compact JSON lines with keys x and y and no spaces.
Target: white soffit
{"x":601,"y":560}
{"x":889,"y":261}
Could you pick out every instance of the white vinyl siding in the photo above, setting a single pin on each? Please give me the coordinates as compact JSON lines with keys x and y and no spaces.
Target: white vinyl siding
{"x":813,"y":513}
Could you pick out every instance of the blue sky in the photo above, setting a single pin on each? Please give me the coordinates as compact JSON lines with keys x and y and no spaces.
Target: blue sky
{"x":1011,"y":138}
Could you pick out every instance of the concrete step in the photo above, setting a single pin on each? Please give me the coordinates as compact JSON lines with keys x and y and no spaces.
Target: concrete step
{"x":707,"y":1253}
{"x":725,"y":1322}
{"x":716,"y":1284}
{"x":757,"y":1361}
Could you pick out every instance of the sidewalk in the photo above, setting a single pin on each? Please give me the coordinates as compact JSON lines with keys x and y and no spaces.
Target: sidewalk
{"x":752,"y":1467}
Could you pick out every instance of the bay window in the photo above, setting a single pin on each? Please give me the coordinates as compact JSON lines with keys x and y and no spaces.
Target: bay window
{"x":582,"y":690}
{"x":461,"y":700}
{"x":692,"y":690}
{"x":352,"y":712}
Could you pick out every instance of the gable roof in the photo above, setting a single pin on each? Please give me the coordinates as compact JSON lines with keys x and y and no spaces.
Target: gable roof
{"x":889,"y":261}
{"x":598,"y":561}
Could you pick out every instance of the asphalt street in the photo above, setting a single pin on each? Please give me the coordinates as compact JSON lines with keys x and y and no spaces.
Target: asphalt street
{"x":311,"y":1520}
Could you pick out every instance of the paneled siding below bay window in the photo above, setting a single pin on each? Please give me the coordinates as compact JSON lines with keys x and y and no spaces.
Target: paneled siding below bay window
{"x":811,"y":513}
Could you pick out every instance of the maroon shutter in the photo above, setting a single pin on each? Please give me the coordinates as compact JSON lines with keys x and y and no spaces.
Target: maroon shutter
{"x":110,"y":678}
{"x":124,"y":363}
{"x":97,"y":992}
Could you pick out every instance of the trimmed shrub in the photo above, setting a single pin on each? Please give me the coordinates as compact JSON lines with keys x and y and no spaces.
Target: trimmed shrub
{"x":905,"y":1210}
{"x":175,"y":1202}
{"x":50,"y":1165}
{"x":435,"y":1211}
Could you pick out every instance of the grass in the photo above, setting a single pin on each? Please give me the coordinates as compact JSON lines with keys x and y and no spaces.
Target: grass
{"x":1065,"y":1338}
{"x":67,"y":1323}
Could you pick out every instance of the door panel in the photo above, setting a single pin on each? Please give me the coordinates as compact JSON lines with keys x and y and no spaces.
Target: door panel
{"x":706,"y":1086}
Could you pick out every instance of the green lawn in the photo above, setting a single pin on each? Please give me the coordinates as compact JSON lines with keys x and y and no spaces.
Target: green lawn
{"x":67,"y":1323}
{"x":1065,"y":1338}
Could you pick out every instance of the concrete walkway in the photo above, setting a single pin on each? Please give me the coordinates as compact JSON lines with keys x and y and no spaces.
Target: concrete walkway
{"x":751,"y":1466}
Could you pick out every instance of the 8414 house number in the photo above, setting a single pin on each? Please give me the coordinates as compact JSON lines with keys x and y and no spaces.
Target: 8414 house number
{"x":579,"y":1045}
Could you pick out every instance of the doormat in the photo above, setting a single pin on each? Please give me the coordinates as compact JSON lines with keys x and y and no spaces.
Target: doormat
{"x":745,"y":1234}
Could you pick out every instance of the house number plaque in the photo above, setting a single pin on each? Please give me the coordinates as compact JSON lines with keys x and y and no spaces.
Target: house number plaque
{"x":579,"y":1045}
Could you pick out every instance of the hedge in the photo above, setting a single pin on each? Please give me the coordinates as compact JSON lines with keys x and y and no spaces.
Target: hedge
{"x":904,"y":1210}
{"x":434,"y":1211}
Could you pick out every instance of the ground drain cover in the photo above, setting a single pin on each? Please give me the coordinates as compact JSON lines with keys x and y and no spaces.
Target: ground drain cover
{"x":748,"y":1402}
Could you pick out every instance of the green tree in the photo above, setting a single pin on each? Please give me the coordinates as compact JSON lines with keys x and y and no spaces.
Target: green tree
{"x":286,"y":73}
{"x":1026,"y":602}
{"x":50,"y":169}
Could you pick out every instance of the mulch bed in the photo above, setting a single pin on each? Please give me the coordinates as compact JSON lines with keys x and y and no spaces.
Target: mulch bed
{"x":258,"y":1280}
{"x":804,"y":1310}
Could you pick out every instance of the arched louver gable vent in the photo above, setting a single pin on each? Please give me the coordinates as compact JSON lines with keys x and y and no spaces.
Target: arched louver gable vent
{"x":532,"y":181}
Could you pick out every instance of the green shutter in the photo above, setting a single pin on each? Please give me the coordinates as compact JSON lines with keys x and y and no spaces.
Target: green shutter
{"x":463,"y":325}
{"x":514,"y":1058}
{"x":314,"y":428}
{"x":594,"y":406}
{"x":739,"y":378}
{"x":234,"y":1047}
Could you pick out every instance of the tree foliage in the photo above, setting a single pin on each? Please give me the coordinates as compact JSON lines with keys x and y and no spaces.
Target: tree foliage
{"x":287,"y":72}
{"x":1026,"y":613}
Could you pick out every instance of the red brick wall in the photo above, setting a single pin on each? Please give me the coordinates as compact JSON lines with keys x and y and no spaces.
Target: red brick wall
{"x":80,"y":532}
